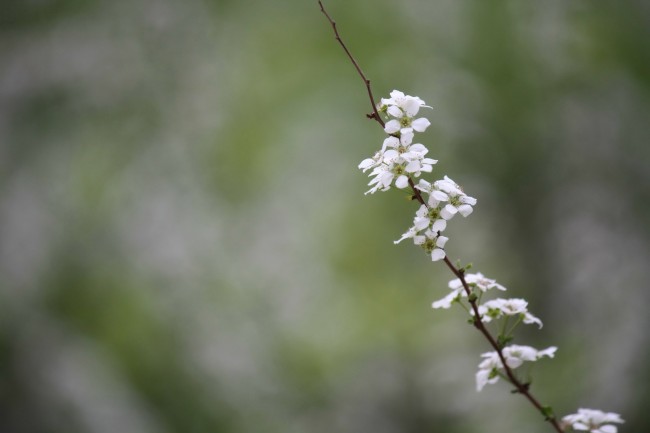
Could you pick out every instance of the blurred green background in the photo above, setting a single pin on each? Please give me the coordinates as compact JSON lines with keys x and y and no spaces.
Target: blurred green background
{"x":185,"y":245}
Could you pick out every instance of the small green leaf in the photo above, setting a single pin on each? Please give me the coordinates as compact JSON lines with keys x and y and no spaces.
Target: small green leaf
{"x":502,"y":340}
{"x":548,"y":413}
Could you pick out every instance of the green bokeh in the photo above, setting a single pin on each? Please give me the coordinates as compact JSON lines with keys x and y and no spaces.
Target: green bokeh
{"x":185,"y":245}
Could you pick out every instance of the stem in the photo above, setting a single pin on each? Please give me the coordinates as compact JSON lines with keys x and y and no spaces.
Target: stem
{"x":375,"y":113}
{"x":520,"y":387}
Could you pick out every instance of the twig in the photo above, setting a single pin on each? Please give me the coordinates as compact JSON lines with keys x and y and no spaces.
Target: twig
{"x":375,"y":114}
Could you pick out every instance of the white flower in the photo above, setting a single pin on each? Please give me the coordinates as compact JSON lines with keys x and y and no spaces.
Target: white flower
{"x":446,"y":302}
{"x":403,"y":108}
{"x":410,"y":234}
{"x":425,"y":220}
{"x":459,"y":202}
{"x":373,"y":162}
{"x":401,"y":143}
{"x":406,"y":125}
{"x":500,"y":307}
{"x":594,"y":421}
{"x":457,"y":290}
{"x":477,"y":280}
{"x":432,"y":243}
{"x":417,"y":163}
{"x":400,"y":104}
{"x":514,"y":355}
{"x":394,"y":167}
{"x":429,"y":218}
{"x":397,"y":161}
{"x":383,"y":178}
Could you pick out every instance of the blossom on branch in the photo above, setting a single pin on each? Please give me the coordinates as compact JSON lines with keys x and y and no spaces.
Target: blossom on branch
{"x":457,"y":289}
{"x":477,"y":280}
{"x":403,"y":108}
{"x":399,"y":159}
{"x":592,"y":420}
{"x":497,"y":308}
{"x":490,"y":369}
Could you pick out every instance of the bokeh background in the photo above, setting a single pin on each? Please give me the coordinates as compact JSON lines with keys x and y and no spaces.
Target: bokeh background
{"x":185,"y":245}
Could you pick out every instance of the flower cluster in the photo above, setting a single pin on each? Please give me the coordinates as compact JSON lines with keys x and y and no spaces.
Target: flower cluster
{"x":445,"y":200}
{"x":474,"y":281}
{"x":400,"y":161}
{"x":497,"y":308}
{"x":399,"y":158}
{"x":594,"y":421}
{"x":489,"y":370}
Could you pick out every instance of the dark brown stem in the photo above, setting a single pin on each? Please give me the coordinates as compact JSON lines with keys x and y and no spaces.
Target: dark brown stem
{"x":375,"y":114}
{"x":520,"y":387}
{"x":416,"y":192}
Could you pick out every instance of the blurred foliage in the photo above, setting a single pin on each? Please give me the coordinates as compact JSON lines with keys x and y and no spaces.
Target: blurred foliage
{"x":185,"y":245}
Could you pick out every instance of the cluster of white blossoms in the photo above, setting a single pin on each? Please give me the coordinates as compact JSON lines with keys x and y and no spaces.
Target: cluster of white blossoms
{"x":497,"y":308}
{"x":399,"y":162}
{"x":399,"y":158}
{"x":593,"y":421}
{"x":489,"y":370}
{"x":474,"y":281}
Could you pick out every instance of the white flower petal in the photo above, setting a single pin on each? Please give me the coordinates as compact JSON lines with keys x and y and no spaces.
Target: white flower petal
{"x":390,"y":142}
{"x":421,"y":124}
{"x":419,"y":148}
{"x":406,"y":138}
{"x":437,"y":254}
{"x":441,"y":241}
{"x":446,"y":301}
{"x":465,"y":209}
{"x":392,"y":126}
{"x":439,"y":226}
{"x":421,"y":223}
{"x":390,"y":155}
{"x":448,"y":212}
{"x":367,"y":163}
{"x":411,"y":106}
{"x":395,"y":111}
{"x":413,"y":167}
{"x":402,"y":182}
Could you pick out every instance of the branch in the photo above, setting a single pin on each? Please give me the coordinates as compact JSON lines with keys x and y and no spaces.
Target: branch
{"x":375,"y":114}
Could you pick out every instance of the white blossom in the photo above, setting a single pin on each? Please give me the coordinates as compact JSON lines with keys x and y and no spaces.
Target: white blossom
{"x":432,"y":243}
{"x":403,"y":108}
{"x":594,"y":421}
{"x":514,"y":355}
{"x":457,"y":290}
{"x":477,"y":280}
{"x":397,"y":161}
{"x":497,"y":308}
{"x":446,"y":302}
{"x":400,"y":104}
{"x":459,"y":202}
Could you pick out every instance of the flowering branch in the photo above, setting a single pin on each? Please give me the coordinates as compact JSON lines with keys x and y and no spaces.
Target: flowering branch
{"x":521,"y":388}
{"x":400,"y":161}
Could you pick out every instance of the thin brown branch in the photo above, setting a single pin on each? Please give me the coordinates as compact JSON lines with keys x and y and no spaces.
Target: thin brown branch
{"x":416,"y":192}
{"x":375,"y":114}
